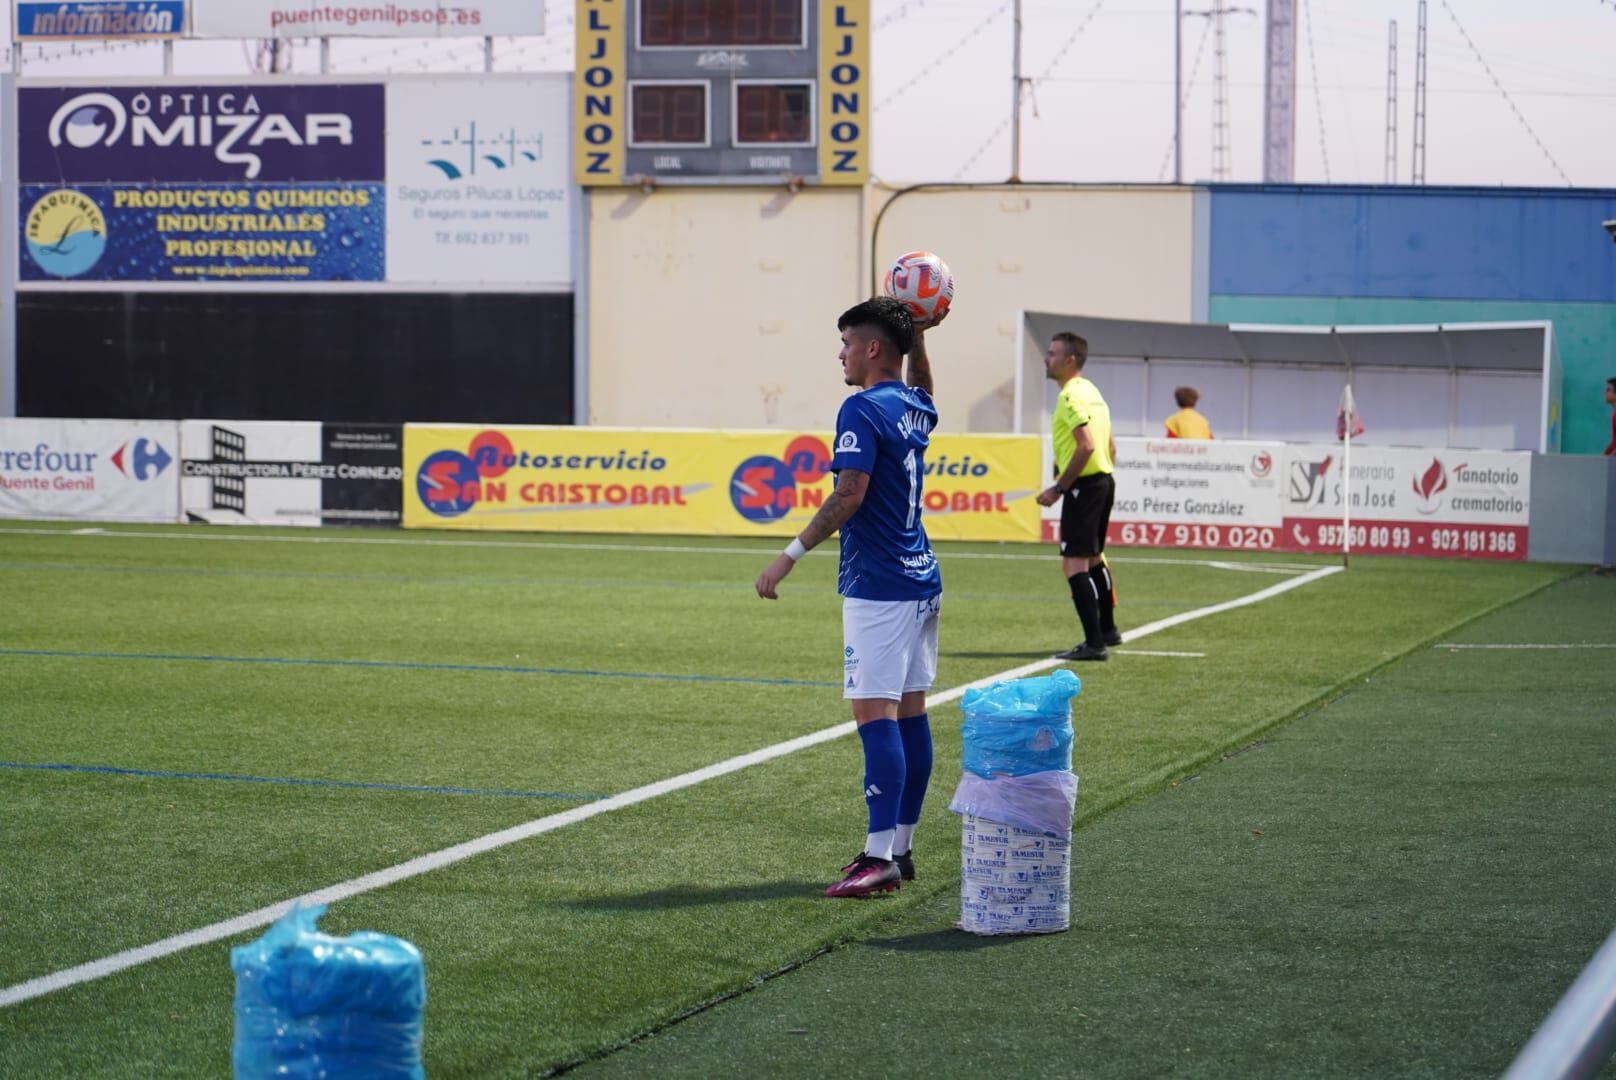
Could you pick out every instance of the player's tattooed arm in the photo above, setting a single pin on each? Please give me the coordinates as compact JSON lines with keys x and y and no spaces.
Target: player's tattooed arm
{"x":833,"y":513}
{"x":839,"y":505}
{"x":919,"y":372}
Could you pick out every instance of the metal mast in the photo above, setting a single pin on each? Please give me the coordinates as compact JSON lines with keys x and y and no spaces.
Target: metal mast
{"x":1419,"y":100}
{"x":1391,"y":103}
{"x":1015,"y":100}
{"x":1279,"y":94}
{"x":1178,"y":91}
{"x":1220,"y":98}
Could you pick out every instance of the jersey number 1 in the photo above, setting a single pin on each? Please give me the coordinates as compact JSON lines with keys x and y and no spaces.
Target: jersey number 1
{"x":912,"y":467}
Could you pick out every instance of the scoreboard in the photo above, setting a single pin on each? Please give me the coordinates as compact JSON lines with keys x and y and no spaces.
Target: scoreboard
{"x":721,"y":91}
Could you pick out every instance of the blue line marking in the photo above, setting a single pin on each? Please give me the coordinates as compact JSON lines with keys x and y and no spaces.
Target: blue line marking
{"x":412,"y":579}
{"x":402,"y":665}
{"x":1050,"y":596}
{"x":164,"y":774}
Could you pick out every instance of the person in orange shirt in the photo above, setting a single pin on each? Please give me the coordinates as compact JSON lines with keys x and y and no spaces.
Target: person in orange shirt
{"x":1186,"y":423}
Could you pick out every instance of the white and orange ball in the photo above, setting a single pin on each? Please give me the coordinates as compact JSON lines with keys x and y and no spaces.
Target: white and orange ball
{"x":923,"y":283}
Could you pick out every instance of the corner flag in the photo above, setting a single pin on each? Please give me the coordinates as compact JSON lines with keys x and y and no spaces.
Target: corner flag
{"x":1348,"y":417}
{"x":1348,"y":425}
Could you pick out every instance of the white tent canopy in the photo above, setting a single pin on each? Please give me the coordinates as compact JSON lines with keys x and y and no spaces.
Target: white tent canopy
{"x":1475,"y":385}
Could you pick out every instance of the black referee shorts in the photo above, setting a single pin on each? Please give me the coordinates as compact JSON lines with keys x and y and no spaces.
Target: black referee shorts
{"x":1085,"y":515}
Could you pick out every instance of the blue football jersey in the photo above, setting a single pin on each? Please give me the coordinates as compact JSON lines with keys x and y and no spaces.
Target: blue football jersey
{"x":884,"y":431}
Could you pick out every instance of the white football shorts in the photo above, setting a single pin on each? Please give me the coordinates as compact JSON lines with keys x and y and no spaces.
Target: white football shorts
{"x":889,"y":647}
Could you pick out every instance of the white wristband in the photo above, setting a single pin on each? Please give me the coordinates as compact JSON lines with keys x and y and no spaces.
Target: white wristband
{"x":795,"y":550}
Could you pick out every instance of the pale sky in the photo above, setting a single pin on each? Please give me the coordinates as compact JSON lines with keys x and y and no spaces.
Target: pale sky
{"x":1099,"y":107}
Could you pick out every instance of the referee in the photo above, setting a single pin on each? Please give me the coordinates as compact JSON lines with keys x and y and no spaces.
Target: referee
{"x":1085,"y":488}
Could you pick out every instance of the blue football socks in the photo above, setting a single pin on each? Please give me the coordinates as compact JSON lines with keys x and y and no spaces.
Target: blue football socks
{"x":916,"y":734}
{"x":883,"y":781}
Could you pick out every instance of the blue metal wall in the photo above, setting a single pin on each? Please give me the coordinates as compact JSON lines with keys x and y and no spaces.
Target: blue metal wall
{"x":1276,"y":252}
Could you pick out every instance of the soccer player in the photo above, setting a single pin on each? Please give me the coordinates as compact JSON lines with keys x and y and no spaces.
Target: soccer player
{"x":1084,"y":453}
{"x":891,"y":586}
{"x":1186,"y":423}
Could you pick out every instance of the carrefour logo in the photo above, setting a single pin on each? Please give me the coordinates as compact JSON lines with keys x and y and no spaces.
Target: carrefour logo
{"x":764,"y":489}
{"x":141,"y":459}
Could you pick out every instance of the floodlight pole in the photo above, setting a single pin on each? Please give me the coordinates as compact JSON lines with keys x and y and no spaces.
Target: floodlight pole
{"x":1015,"y":96}
{"x":1178,"y":91}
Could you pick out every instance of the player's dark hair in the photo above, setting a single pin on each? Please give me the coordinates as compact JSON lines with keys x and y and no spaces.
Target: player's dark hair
{"x":889,"y":318}
{"x":1611,"y":383}
{"x":1075,"y":346}
{"x":1186,"y":396}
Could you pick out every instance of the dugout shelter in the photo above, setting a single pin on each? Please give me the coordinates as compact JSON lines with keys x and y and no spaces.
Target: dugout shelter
{"x":1489,"y":386}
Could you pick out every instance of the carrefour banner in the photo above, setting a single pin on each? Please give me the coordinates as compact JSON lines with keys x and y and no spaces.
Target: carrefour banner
{"x":691,"y":482}
{"x":235,"y":472}
{"x":104,"y":470}
{"x":446,"y":182}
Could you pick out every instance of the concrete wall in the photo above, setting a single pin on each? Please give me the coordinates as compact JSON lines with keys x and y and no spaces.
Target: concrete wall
{"x":1573,"y":515}
{"x":716,"y":307}
{"x":1118,"y":252}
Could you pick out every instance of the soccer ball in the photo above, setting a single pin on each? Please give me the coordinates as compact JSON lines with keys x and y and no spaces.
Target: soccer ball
{"x":922,"y":282}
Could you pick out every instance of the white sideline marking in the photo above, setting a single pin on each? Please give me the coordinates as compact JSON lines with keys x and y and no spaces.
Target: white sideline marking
{"x":1247,"y":568}
{"x":1154,"y":652}
{"x":435,"y":860}
{"x":562,"y":545}
{"x":1582,"y":645}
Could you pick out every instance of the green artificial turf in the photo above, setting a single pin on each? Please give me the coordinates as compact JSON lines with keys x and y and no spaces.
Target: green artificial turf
{"x":1402,"y":883}
{"x":572,"y":666}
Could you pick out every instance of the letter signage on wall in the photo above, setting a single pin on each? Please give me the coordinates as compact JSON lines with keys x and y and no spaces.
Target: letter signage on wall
{"x":446,"y":182}
{"x":392,"y":18}
{"x":669,"y":91}
{"x":223,"y":182}
{"x":1291,"y":497}
{"x":691,"y":482}
{"x":236,"y":472}
{"x":100,"y":470}
{"x":101,"y":20}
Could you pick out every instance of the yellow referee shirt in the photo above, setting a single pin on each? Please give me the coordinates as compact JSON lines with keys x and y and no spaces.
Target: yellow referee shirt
{"x":1080,"y":405}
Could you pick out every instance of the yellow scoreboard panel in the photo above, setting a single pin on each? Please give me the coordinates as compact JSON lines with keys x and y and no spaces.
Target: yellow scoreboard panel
{"x":705,"y":91}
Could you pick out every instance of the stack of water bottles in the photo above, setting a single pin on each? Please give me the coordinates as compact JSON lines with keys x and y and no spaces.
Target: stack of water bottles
{"x":1016,"y":796}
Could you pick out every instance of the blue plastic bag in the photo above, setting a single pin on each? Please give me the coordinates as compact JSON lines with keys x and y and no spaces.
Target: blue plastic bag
{"x":309,"y":1005}
{"x":1020,"y":726}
